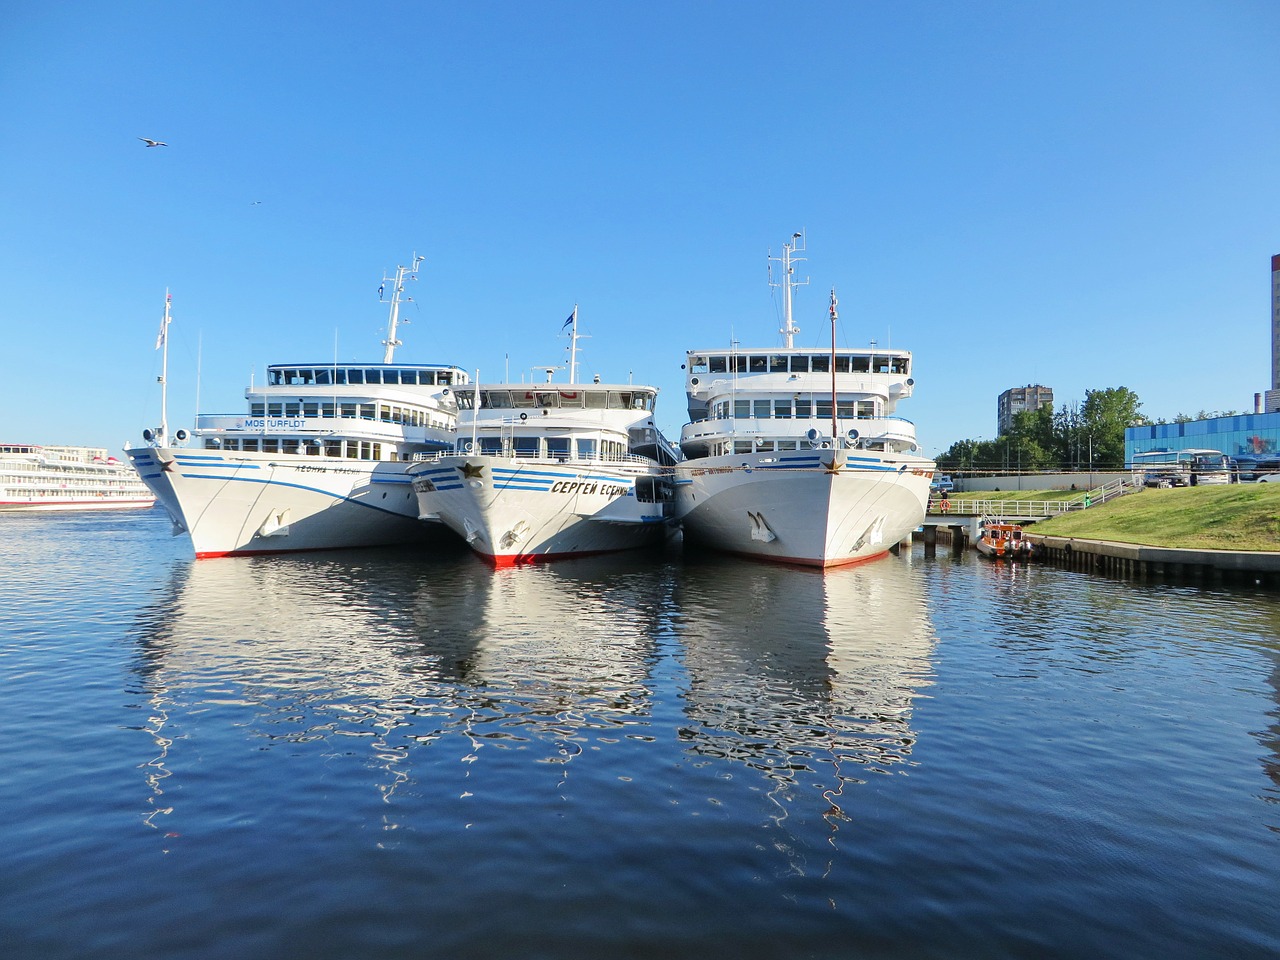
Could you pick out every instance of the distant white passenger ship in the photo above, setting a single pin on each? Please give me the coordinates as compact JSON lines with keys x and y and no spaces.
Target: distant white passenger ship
{"x":37,"y":478}
{"x":552,"y":470}
{"x":796,"y":455}
{"x":317,"y":462}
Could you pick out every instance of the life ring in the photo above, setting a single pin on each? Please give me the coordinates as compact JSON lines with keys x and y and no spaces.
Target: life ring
{"x":944,"y":506}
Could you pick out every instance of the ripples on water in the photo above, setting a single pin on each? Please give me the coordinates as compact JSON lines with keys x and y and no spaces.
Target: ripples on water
{"x":385,"y":754}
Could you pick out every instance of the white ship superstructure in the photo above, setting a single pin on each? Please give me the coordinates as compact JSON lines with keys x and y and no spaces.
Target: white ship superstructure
{"x":797,"y":455}
{"x":316,"y":462}
{"x":39,"y":478}
{"x":552,"y":470}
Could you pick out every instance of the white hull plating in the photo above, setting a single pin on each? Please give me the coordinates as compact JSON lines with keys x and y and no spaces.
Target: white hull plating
{"x":246,"y":503}
{"x":513,"y":511}
{"x":42,"y":504}
{"x":794,"y":508}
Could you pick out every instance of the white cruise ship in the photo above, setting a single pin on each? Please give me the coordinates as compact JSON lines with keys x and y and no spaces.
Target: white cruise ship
{"x":37,"y":478}
{"x":318,"y":460}
{"x":553,"y":470}
{"x":796,"y":455}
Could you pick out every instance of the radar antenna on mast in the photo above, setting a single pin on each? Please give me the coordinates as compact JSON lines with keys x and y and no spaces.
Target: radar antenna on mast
{"x":788,"y":282}
{"x":403,"y":273}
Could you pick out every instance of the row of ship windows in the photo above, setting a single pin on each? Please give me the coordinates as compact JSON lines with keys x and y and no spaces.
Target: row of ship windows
{"x":790,"y":363}
{"x":553,"y":448}
{"x":567,"y":397}
{"x":349,"y":449}
{"x":329,"y":376}
{"x":795,"y":408}
{"x":725,"y":447}
{"x":409,"y":416}
{"x":61,"y":467}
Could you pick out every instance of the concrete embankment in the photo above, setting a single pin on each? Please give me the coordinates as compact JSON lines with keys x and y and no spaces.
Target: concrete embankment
{"x":1140,"y":562}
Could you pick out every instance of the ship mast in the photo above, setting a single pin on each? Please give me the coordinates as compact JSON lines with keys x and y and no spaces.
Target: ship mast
{"x":788,"y":281}
{"x":397,"y":289}
{"x":834,"y":317}
{"x":162,"y":341}
{"x":573,"y":347}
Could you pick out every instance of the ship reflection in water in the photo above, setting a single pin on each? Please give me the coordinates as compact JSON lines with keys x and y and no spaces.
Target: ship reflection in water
{"x":388,"y":754}
{"x":787,"y":673}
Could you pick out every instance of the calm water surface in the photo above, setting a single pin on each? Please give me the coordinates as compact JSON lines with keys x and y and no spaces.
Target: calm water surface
{"x":382,"y":754}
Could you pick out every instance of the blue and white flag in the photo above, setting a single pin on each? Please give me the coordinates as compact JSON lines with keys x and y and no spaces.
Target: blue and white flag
{"x":569,"y":322}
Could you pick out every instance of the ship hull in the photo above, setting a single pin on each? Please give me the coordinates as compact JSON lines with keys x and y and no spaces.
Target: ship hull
{"x":241,"y":503}
{"x":40,"y":505}
{"x":797,"y":509}
{"x":514,"y":512}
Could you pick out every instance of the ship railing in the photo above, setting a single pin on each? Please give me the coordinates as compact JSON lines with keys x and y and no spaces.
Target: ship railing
{"x":871,"y":427}
{"x":433,"y":456}
{"x":352,"y":427}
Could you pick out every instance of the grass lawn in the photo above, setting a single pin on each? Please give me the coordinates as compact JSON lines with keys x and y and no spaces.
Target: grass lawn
{"x":1239,"y":516}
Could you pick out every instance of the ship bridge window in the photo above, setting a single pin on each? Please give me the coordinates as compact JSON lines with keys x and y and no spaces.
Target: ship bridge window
{"x":522,"y":399}
{"x":880,"y":364}
{"x":444,"y":377}
{"x":548,"y":398}
{"x":861,"y":364}
{"x":390,"y":376}
{"x":697,"y":364}
{"x":372,"y":376}
{"x":324,"y":377}
{"x":739,"y":364}
{"x":718,"y":365}
{"x":498,"y":399}
{"x":558,"y":447}
{"x":355,"y":376}
{"x":842,"y":364}
{"x":799,"y":364}
{"x":758,"y":364}
{"x":778,"y":363}
{"x":820,"y":364}
{"x":900,"y":364}
{"x":571,"y":398}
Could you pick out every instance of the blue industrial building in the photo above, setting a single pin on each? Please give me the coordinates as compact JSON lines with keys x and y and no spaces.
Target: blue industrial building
{"x":1246,"y":436}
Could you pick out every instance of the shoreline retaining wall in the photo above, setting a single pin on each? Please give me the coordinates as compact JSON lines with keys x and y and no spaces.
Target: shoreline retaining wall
{"x":1133,"y":561}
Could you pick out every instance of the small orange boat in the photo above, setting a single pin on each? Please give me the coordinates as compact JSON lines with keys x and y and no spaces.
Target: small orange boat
{"x":1003,"y":541}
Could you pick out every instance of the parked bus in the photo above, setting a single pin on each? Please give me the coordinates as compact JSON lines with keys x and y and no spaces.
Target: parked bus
{"x":1181,"y":468}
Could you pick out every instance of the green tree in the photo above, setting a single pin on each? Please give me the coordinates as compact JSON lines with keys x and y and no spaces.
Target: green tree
{"x":1076,"y":437}
{"x":1104,"y":415}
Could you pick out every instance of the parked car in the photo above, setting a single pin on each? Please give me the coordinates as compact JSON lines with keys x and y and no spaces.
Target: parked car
{"x":942,"y":482}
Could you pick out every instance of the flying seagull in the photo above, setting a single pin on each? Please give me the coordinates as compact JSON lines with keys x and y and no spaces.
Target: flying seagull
{"x":153,"y":143}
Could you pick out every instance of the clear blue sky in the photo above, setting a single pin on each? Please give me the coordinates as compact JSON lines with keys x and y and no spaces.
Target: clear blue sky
{"x":1078,"y":194}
